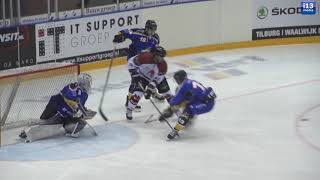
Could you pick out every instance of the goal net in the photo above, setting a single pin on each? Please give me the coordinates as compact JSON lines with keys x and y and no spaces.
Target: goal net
{"x":25,"y":92}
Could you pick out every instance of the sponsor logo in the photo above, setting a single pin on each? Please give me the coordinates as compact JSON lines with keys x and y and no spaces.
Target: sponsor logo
{"x":50,"y":37}
{"x":283,"y":32}
{"x":262,"y":12}
{"x":308,"y":7}
{"x":10,"y":37}
{"x":100,"y":9}
{"x":278,"y":11}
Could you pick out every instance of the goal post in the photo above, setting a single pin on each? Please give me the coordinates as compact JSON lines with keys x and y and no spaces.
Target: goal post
{"x":25,"y":92}
{"x":10,"y":100}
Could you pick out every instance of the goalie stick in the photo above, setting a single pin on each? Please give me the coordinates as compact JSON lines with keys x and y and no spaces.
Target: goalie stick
{"x":105,"y":85}
{"x":87,"y":116}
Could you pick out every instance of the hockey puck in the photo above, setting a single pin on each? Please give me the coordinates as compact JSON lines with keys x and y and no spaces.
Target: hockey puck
{"x":305,"y":119}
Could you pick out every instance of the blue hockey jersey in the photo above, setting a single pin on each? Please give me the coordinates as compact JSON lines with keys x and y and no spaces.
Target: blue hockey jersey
{"x":139,"y":41}
{"x":192,"y":92}
{"x":68,"y":100}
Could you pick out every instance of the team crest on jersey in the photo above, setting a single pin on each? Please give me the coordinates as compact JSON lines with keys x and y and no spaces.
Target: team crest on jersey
{"x":151,"y":73}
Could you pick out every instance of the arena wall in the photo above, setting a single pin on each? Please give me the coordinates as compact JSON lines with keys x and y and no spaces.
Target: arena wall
{"x":184,"y":28}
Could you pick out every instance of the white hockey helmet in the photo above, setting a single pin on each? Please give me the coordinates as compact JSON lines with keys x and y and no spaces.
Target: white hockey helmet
{"x":85,"y":82}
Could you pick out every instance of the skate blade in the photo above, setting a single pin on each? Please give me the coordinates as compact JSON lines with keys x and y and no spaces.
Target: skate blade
{"x":137,"y":110}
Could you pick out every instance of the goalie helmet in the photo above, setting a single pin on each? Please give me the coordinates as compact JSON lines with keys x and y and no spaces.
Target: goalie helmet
{"x":180,"y":76}
{"x":85,"y":82}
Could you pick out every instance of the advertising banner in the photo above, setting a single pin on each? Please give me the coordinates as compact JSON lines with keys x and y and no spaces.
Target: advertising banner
{"x":9,"y":47}
{"x":129,"y":5}
{"x":100,"y":9}
{"x":282,"y":19}
{"x":4,"y":23}
{"x":83,"y":37}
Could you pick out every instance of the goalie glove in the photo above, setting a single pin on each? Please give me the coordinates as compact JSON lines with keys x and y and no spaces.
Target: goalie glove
{"x":150,"y":90}
{"x":78,"y":114}
{"x":89,"y":114}
{"x":166,"y":114}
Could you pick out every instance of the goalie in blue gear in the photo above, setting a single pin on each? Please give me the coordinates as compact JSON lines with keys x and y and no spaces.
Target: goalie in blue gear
{"x":65,"y":109}
{"x":193,"y":97}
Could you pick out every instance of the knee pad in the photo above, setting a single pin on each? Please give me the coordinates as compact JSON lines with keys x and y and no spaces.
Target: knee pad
{"x":134,"y":99}
{"x":187,"y":111}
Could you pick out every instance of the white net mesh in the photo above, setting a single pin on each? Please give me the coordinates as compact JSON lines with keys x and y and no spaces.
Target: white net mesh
{"x":25,"y":92}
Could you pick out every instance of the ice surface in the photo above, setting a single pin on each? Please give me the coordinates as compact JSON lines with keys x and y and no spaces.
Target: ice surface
{"x":265,"y":125}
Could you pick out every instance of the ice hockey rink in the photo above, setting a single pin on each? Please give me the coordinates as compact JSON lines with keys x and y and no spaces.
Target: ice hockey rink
{"x":265,"y":126}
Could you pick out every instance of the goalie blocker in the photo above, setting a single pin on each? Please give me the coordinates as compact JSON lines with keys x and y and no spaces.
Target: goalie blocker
{"x":65,"y":110}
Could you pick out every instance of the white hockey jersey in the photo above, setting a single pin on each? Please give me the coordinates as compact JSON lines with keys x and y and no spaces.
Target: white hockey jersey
{"x":150,"y":72}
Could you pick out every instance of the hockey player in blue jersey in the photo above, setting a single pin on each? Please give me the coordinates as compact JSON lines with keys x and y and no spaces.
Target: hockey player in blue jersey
{"x":193,"y":97}
{"x":142,"y":40}
{"x":65,"y":109}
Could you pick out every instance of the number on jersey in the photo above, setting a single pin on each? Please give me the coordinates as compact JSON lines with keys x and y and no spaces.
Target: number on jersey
{"x":196,"y":85}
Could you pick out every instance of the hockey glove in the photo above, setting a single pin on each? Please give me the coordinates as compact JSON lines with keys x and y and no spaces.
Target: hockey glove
{"x":166,"y":114}
{"x":119,"y":38}
{"x":150,"y":90}
{"x":210,"y":94}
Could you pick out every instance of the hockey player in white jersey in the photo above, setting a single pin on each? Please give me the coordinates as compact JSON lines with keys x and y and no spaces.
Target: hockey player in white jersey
{"x":148,"y":71}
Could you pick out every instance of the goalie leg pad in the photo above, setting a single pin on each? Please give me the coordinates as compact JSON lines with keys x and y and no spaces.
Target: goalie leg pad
{"x":56,"y":119}
{"x":52,"y":107}
{"x":74,"y":125}
{"x":37,"y":132}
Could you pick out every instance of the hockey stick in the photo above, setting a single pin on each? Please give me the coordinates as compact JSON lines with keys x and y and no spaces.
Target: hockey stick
{"x":155,"y":106}
{"x":105,"y":85}
{"x":165,"y":120}
{"x":149,"y":119}
{"x":92,"y":129}
{"x":85,"y":114}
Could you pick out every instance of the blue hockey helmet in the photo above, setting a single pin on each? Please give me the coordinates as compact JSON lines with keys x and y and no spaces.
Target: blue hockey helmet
{"x":151,"y":27}
{"x":180,"y":76}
